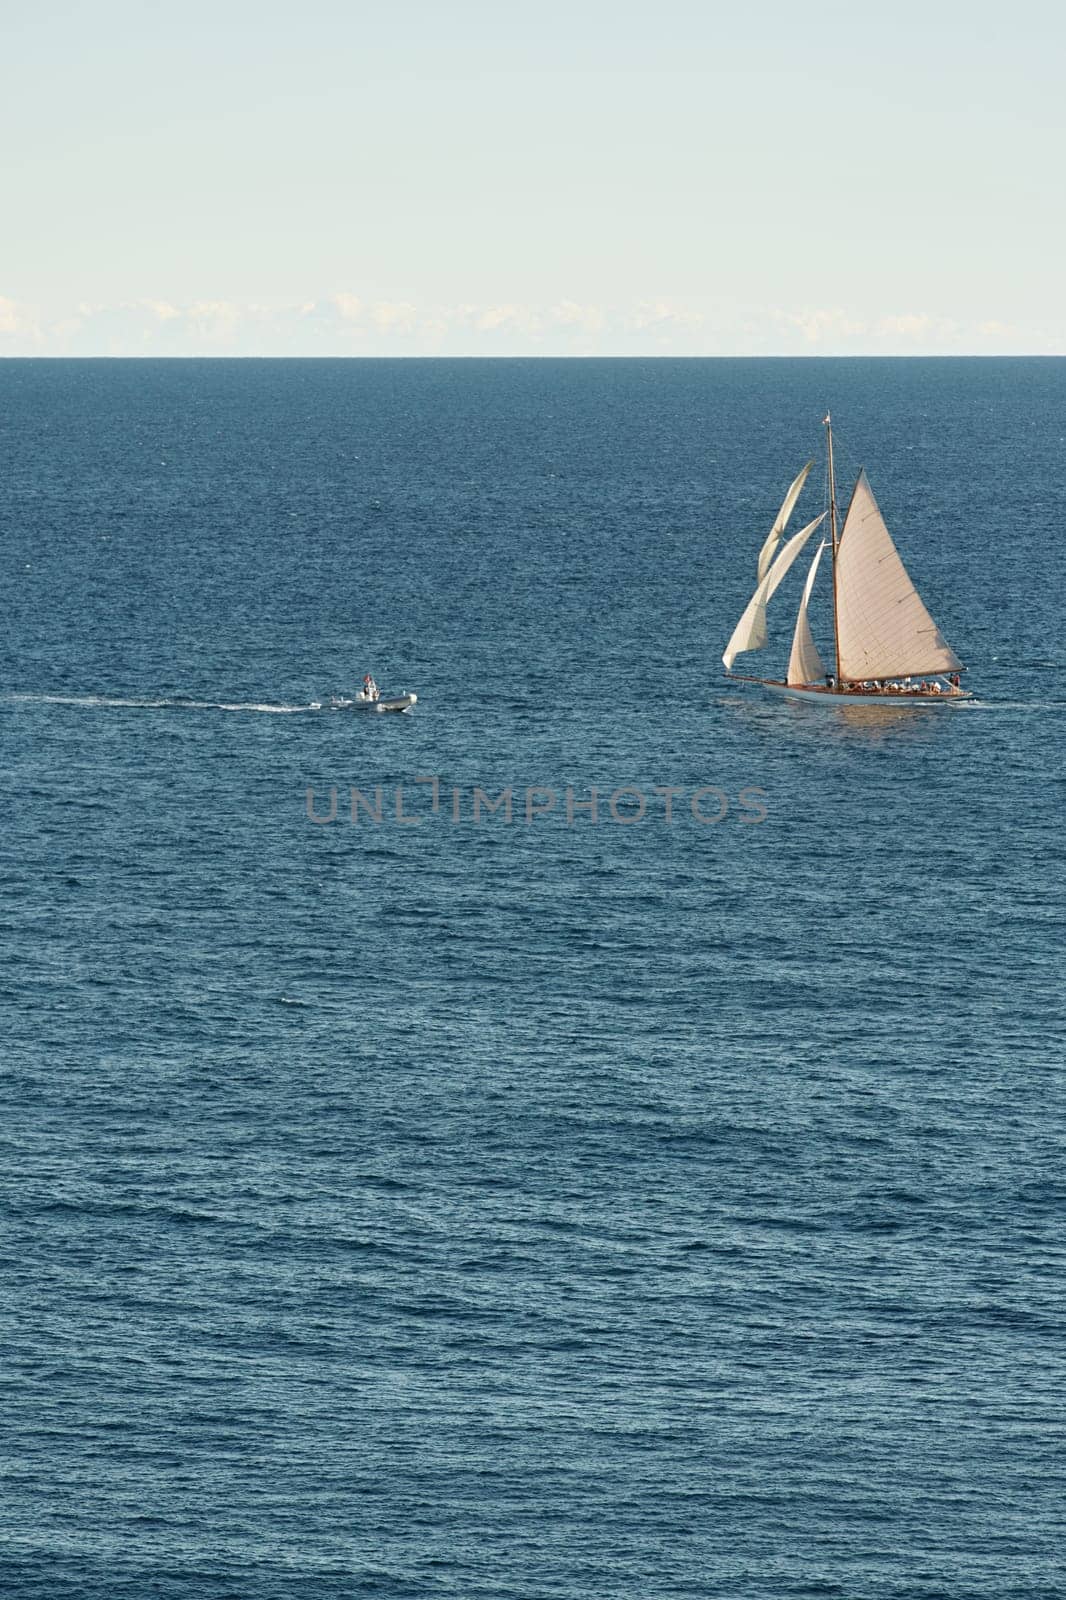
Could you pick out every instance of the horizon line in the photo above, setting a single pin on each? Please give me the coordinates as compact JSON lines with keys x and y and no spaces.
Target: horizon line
{"x":540,"y":355}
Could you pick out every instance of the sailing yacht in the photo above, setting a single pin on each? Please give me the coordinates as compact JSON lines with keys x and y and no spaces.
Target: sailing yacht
{"x":886,"y":645}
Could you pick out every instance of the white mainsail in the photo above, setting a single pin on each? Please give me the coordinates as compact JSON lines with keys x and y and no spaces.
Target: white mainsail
{"x":750,"y":631}
{"x":883,"y":628}
{"x":805,"y":665}
{"x":766,"y":554}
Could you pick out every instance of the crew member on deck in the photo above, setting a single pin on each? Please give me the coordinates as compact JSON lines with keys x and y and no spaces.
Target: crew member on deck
{"x":370,"y":688}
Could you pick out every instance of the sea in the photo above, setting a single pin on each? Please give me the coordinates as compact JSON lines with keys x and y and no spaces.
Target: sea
{"x":598,"y":1136}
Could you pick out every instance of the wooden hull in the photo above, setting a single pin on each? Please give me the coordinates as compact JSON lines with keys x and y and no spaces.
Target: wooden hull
{"x":858,"y":697}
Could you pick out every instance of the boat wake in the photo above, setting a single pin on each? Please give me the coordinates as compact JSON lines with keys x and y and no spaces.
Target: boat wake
{"x":1011,"y":705}
{"x":106,"y":702}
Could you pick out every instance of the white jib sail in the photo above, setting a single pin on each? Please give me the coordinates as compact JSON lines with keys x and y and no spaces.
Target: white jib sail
{"x":805,"y":665}
{"x":883,"y":628}
{"x":750,"y":631}
{"x":766,"y":554}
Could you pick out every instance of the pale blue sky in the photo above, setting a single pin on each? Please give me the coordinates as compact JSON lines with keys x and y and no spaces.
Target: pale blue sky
{"x":671,"y":178}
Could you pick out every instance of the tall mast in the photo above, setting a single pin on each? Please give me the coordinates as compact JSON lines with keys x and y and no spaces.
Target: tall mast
{"x":828,"y":424}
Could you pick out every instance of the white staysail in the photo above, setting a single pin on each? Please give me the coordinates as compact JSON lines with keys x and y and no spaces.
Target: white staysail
{"x":750,"y":631}
{"x":805,"y":665}
{"x":766,"y":554}
{"x":883,"y":628}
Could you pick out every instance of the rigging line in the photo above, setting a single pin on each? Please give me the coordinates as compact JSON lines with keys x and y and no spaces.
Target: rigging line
{"x":846,"y":469}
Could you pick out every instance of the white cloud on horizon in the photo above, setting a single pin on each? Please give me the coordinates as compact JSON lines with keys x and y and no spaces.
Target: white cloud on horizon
{"x":17,"y":321}
{"x":345,"y":322}
{"x":569,"y":314}
{"x":395,"y":316}
{"x":349,"y":306}
{"x":833,"y":330}
{"x":217,"y":320}
{"x":661,"y":316}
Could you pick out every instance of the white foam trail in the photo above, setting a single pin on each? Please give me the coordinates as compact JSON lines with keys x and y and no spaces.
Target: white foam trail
{"x":95,"y":701}
{"x":274,"y":710}
{"x":1011,"y":705}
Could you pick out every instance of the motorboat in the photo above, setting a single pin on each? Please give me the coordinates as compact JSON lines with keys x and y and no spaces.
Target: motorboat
{"x":379,"y":702}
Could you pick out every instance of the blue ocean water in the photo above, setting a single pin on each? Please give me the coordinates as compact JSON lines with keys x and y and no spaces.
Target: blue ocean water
{"x":537,"y":1210}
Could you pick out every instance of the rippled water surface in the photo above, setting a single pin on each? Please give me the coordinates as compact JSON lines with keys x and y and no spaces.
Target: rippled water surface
{"x":548,"y":1209}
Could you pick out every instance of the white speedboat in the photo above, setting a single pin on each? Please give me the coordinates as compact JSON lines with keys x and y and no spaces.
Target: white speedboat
{"x":887,"y":649}
{"x":383,"y":702}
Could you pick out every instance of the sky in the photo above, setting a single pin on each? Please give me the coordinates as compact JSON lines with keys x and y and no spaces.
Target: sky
{"x":662,"y":178}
